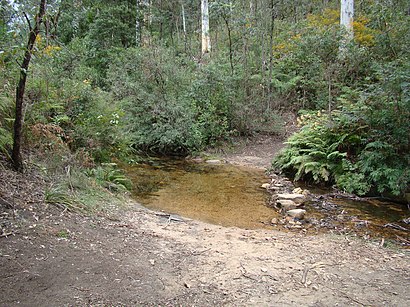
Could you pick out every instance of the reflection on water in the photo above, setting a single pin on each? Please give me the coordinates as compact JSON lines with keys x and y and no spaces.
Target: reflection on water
{"x":221,"y":194}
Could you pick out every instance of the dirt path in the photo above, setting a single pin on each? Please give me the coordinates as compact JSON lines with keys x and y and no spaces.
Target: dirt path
{"x":137,"y":257}
{"x":255,"y":152}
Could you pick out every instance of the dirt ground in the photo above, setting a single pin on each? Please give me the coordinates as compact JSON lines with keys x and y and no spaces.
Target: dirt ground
{"x":136,"y":257}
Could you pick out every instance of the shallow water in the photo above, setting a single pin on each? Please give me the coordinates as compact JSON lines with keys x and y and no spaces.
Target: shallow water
{"x":230,"y":195}
{"x":221,"y":194}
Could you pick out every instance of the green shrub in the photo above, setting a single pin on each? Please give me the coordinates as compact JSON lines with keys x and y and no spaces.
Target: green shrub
{"x":362,"y":146}
{"x":110,"y":177}
{"x":171,"y":107}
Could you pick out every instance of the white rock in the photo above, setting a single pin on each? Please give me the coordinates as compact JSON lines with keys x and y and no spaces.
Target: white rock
{"x":286,"y":204}
{"x":297,"y":191}
{"x":214,"y":161}
{"x":297,"y":213}
{"x":265,"y":186}
{"x":298,"y":198}
{"x":274,"y":221}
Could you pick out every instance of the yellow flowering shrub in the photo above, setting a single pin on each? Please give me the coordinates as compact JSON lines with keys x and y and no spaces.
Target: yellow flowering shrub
{"x":363,"y":35}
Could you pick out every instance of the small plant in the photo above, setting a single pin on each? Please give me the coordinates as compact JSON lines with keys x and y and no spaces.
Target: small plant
{"x":56,"y":195}
{"x":110,"y":177}
{"x":63,"y":234}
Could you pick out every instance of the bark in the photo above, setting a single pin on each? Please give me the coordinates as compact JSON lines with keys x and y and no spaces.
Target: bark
{"x":137,"y":24}
{"x":346,"y":16}
{"x":230,"y":42}
{"x":272,"y":27}
{"x":18,"y":121}
{"x":184,"y":25}
{"x":206,"y":40}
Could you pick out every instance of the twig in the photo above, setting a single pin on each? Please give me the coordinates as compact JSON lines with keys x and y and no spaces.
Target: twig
{"x":246,"y":275}
{"x":304,"y":276}
{"x":7,"y":234}
{"x":81,"y":289}
{"x":395,"y":226}
{"x":170,"y":217}
{"x":195,"y":253}
{"x":6,"y":204}
{"x":405,"y":241}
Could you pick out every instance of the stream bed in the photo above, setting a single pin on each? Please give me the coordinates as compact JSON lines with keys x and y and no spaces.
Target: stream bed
{"x":220,"y":194}
{"x":231,"y":195}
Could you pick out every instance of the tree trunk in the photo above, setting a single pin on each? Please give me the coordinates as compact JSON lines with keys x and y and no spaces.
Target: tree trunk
{"x":206,"y":40}
{"x":184,"y":26}
{"x":137,"y":24}
{"x":228,"y":28}
{"x":272,"y":27}
{"x":346,"y":16}
{"x":18,"y":121}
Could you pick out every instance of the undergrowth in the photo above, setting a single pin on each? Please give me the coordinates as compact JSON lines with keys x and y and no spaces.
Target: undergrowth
{"x":353,"y":146}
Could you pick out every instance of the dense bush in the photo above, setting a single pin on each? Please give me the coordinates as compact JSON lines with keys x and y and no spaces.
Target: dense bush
{"x":362,"y":146}
{"x":170,"y":105}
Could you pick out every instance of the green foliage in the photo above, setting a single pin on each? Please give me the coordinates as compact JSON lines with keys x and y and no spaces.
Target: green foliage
{"x":57,"y":195}
{"x":110,"y":177}
{"x":169,"y":107}
{"x":93,"y":91}
{"x":6,"y":138}
{"x":361,"y":146}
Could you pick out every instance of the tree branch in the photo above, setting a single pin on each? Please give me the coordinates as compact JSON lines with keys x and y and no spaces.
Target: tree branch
{"x":28,"y":22}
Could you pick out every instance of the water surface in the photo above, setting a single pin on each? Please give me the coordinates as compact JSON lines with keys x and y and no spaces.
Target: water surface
{"x":221,"y":194}
{"x":231,"y":195}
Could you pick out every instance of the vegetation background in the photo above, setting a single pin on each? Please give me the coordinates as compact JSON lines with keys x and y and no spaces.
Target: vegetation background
{"x":111,"y":79}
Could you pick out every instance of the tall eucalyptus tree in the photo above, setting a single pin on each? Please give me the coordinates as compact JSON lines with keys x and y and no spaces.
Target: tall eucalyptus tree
{"x":206,"y":40}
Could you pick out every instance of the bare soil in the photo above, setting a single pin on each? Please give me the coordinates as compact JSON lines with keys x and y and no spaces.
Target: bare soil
{"x":132,"y":256}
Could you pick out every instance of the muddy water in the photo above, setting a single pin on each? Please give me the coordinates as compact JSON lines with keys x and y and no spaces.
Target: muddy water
{"x":220,"y":194}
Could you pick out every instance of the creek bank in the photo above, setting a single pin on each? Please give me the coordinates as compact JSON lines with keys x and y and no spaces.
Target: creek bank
{"x":302,"y":210}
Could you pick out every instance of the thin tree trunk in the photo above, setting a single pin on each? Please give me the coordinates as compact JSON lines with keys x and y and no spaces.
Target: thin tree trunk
{"x":206,"y":40}
{"x":184,"y":26}
{"x":272,"y":26}
{"x":18,"y":121}
{"x":230,"y":42}
{"x":137,"y":24}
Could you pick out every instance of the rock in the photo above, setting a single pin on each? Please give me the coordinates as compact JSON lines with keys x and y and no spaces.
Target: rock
{"x":297,"y":213}
{"x":297,"y":198}
{"x":297,"y":191}
{"x":286,"y":204}
{"x":214,"y":161}
{"x":274,"y":221}
{"x":265,"y":186}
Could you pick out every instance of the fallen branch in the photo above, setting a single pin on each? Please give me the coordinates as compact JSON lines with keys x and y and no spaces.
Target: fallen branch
{"x":395,"y":226}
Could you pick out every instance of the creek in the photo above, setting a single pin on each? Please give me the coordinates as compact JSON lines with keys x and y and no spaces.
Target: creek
{"x":231,"y":195}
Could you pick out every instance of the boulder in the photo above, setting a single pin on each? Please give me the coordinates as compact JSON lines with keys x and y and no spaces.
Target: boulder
{"x":297,"y":191}
{"x":296,"y":197}
{"x":214,"y":161}
{"x":286,"y":204}
{"x":265,"y":186}
{"x":296,"y":213}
